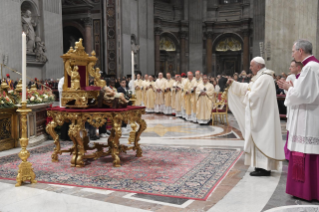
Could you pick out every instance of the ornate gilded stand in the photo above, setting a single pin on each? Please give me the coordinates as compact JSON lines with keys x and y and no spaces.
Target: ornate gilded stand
{"x":25,"y":168}
{"x":97,"y":118}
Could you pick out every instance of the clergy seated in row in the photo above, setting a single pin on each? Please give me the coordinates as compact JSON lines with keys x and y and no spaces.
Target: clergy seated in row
{"x":138,"y":83}
{"x":168,"y":94}
{"x":254,"y":106}
{"x":110,"y":98}
{"x":188,"y":93}
{"x":303,"y":100}
{"x":150,"y":94}
{"x":197,"y":82}
{"x":178,"y":96}
{"x":145,"y":83}
{"x":205,"y":100}
{"x":160,"y":87}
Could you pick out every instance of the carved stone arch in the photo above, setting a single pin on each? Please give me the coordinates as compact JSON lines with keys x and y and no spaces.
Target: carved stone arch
{"x":72,"y":32}
{"x":227,"y":35}
{"x":173,"y":38}
{"x":76,"y":25}
{"x":31,"y":5}
{"x":227,"y":53}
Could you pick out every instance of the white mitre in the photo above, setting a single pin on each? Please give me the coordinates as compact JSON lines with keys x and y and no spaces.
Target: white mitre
{"x":259,"y":60}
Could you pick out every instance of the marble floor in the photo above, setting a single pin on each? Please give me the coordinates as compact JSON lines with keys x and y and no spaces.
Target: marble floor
{"x":237,"y":192}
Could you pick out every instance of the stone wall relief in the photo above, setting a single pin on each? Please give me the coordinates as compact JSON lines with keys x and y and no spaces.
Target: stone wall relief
{"x":167,"y":44}
{"x":229,"y":44}
{"x":30,"y":21}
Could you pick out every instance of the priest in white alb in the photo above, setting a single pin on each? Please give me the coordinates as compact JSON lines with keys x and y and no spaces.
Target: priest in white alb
{"x":255,"y":108}
{"x":168,"y":94}
{"x":187,"y":95}
{"x":145,"y":84}
{"x":138,"y":83}
{"x":303,"y":142}
{"x":178,"y":87}
{"x":204,"y":101}
{"x":160,"y":87}
{"x":150,"y":95}
{"x":198,"y":81}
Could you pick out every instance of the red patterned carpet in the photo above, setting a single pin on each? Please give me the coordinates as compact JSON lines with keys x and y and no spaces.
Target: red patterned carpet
{"x":190,"y":173}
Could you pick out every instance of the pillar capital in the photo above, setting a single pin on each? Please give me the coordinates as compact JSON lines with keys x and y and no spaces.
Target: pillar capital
{"x":183,"y":34}
{"x":209,"y":35}
{"x":88,"y":21}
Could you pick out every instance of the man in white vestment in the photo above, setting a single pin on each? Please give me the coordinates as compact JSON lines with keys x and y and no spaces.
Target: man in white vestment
{"x":204,"y":101}
{"x":60,"y":89}
{"x":295,"y":69}
{"x":187,"y":95}
{"x":303,"y":142}
{"x":255,"y":108}
{"x":198,"y":81}
{"x":168,"y":94}
{"x":145,"y":83}
{"x":138,"y":83}
{"x":160,"y":87}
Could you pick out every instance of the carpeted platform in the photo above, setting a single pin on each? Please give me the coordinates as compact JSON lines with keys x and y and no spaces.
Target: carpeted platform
{"x":190,"y":173}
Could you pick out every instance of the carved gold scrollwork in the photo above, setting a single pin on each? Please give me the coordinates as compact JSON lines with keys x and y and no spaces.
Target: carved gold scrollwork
{"x":97,"y":120}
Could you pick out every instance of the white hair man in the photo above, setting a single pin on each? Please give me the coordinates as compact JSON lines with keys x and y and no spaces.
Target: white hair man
{"x":303,"y":142}
{"x":255,"y":108}
{"x":160,"y":88}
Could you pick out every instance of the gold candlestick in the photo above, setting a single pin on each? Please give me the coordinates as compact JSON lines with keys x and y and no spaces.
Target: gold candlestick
{"x":25,"y":168}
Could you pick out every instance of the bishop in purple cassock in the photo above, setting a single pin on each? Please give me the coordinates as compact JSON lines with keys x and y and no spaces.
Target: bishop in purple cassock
{"x":303,"y":142}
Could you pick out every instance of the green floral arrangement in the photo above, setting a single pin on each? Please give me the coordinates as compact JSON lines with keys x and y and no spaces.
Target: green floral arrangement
{"x":39,"y":97}
{"x":5,"y":101}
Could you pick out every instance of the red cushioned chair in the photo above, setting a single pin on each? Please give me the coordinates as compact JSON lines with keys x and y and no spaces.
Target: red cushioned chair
{"x":220,"y":109}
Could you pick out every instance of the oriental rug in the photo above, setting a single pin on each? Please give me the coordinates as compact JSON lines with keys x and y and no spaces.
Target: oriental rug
{"x":191,"y":173}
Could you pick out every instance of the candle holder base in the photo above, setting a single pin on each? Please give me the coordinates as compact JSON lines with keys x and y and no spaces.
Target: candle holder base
{"x":25,"y":172}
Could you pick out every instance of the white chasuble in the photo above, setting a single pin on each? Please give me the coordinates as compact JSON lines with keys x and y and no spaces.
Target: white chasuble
{"x":197,"y":82}
{"x":168,"y":96}
{"x":189,"y":84}
{"x":145,"y":84}
{"x":255,"y":108}
{"x":138,"y":84}
{"x":204,"y":103}
{"x":178,"y":99}
{"x":303,"y":100}
{"x":150,"y":96}
{"x":159,"y":101}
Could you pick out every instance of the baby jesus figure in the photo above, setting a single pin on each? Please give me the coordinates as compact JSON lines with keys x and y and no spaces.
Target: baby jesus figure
{"x":110,"y":98}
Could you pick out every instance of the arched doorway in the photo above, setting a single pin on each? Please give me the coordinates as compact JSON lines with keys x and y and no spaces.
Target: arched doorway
{"x":70,"y":35}
{"x":169,"y":54}
{"x":228,"y":50}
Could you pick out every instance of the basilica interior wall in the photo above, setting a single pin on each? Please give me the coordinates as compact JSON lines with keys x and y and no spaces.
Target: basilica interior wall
{"x":283,"y":26}
{"x":48,"y":17}
{"x":52,"y":13}
{"x":137,"y":19}
{"x":10,"y":34}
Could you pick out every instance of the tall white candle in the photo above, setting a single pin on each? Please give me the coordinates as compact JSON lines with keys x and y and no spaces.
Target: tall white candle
{"x":133,"y":77}
{"x":24,"y":67}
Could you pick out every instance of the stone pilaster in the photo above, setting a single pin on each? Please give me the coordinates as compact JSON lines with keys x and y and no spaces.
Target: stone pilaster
{"x":246,"y":50}
{"x":88,"y":23}
{"x":158,"y":32}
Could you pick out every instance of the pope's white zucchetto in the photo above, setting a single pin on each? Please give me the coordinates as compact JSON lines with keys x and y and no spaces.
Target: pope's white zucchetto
{"x":259,"y":60}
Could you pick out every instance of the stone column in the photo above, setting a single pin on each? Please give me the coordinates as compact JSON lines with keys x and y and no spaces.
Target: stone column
{"x":88,"y":23}
{"x":246,"y":51}
{"x":209,"y":53}
{"x":158,"y":32}
{"x":183,"y":68}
